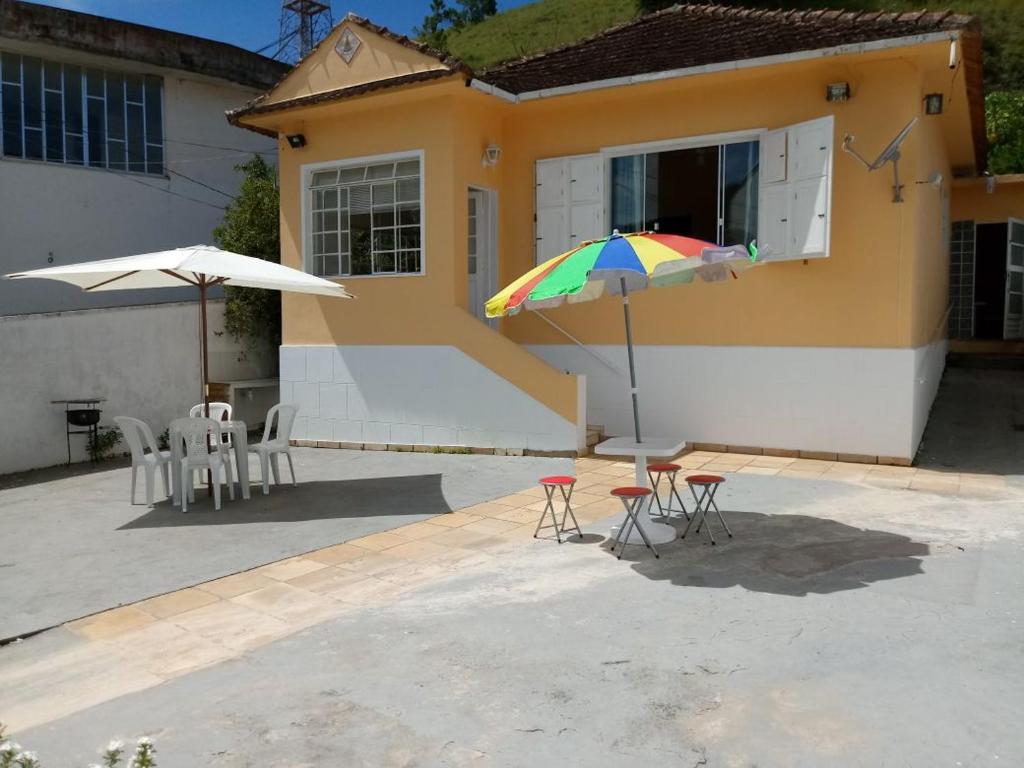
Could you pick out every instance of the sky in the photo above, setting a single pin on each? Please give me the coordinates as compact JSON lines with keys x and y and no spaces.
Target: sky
{"x":250,"y":24}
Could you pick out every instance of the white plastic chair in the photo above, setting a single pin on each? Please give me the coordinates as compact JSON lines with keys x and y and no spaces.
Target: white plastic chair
{"x":269,"y":449}
{"x":140,"y":437}
{"x":218,"y":412}
{"x":197,"y":435}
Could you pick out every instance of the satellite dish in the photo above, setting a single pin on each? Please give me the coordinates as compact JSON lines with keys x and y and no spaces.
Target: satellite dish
{"x":891,"y":153}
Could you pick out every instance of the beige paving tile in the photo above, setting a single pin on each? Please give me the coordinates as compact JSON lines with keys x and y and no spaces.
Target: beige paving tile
{"x":802,"y":474}
{"x":887,"y":480}
{"x":520,"y":516}
{"x":516,"y":500}
{"x":536,"y":491}
{"x":420,"y":530}
{"x":811,"y":465}
{"x":931,"y":485}
{"x":421,"y":550}
{"x":377,"y":542}
{"x":236,"y":584}
{"x":487,"y":509}
{"x":339,"y":553}
{"x":232,"y":624}
{"x":846,"y":474}
{"x":176,"y":602}
{"x":458,"y":537}
{"x":327,"y":581}
{"x":777,"y":462}
{"x":489,"y":525}
{"x":167,"y":650}
{"x":290,"y":568}
{"x":111,"y":623}
{"x":291,"y":604}
{"x":375,"y":563}
{"x":751,"y":470}
{"x":521,"y":532}
{"x":368,"y":591}
{"x":456,"y":519}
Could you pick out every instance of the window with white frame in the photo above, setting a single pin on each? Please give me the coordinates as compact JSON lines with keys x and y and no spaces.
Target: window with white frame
{"x":366,"y":219}
{"x":65,"y":113}
{"x":706,"y":192}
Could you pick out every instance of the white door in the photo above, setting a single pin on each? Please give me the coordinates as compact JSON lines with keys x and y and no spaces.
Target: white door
{"x":481,"y":253}
{"x":1014,"y":305}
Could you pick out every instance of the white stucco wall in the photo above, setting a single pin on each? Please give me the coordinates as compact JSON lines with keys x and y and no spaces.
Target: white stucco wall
{"x":77,"y":214}
{"x":143,"y":360}
{"x":849,"y":400}
{"x":414,"y":395}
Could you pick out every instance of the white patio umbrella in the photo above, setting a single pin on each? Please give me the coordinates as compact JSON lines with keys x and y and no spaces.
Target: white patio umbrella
{"x":200,"y":265}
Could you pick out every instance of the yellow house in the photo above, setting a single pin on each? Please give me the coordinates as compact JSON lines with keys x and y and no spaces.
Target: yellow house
{"x":425,"y":187}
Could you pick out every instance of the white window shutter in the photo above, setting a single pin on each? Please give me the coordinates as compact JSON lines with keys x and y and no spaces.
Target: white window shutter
{"x":552,"y":226}
{"x":586,"y":199}
{"x":551,"y":233}
{"x":550,"y":183}
{"x":795,"y":197}
{"x":775,"y":157}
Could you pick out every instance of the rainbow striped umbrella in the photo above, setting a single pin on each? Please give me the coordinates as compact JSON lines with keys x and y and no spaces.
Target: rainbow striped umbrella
{"x":619,"y":264}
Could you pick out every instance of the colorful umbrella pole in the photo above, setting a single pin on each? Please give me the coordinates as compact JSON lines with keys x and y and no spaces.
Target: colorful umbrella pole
{"x":632,"y":365}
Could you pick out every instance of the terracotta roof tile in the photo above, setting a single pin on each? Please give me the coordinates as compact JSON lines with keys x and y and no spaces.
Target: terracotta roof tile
{"x":696,"y":35}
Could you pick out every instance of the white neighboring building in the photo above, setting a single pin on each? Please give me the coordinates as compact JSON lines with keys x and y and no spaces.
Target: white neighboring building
{"x":113,"y":142}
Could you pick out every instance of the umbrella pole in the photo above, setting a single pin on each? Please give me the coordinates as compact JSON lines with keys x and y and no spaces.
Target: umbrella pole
{"x":206,"y":367}
{"x":632,"y":367}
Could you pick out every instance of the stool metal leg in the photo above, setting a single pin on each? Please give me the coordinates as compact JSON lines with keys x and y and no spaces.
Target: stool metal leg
{"x":655,"y":497}
{"x":568,"y":511}
{"x":675,"y":491}
{"x":711,"y":502}
{"x":632,"y":510}
{"x":700,"y":513}
{"x":549,"y":490}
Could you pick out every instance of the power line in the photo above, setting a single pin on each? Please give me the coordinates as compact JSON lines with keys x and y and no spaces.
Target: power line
{"x":201,"y":184}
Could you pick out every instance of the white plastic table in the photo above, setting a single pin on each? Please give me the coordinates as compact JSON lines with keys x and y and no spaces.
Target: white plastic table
{"x":239,"y":445}
{"x":651,"y":447}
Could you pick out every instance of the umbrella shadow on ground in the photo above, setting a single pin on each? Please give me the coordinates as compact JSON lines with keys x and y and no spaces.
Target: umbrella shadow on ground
{"x":795,"y":555}
{"x":419,"y":495}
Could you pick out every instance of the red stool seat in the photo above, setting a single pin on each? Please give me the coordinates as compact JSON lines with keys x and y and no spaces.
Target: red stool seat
{"x":663,"y":467}
{"x":558,"y":480}
{"x":705,"y":479}
{"x":631,"y":491}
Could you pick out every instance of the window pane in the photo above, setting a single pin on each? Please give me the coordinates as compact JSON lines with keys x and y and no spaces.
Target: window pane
{"x":154,"y":158}
{"x":323,"y":178}
{"x":1016,"y":232}
{"x":628,"y":193}
{"x":384,"y":217}
{"x":359,"y":199}
{"x":133,"y":88}
{"x":383,"y":240}
{"x":382,"y":171}
{"x":330,"y":220}
{"x":681,"y":192}
{"x":349,"y":175}
{"x":116,"y":155}
{"x":34,"y":143}
{"x":409,"y":261}
{"x":1017,"y":255}
{"x":51,"y":75}
{"x":359,"y":237}
{"x":72,"y":99}
{"x":384,"y":262}
{"x":94,"y":83}
{"x":331,"y":265}
{"x":740,"y":171}
{"x":115,"y":108}
{"x":408,"y":237}
{"x":54,"y":127}
{"x":10,"y":68}
{"x":154,"y":112}
{"x":1017,"y":282}
{"x":32,"y":80}
{"x":74,"y":151}
{"x":409,"y":190}
{"x":1016,"y":304}
{"x":408,"y":168}
{"x":136,"y":140}
{"x":408,"y":214}
{"x":96,"y":118}
{"x":384,"y":194}
{"x":12,"y":118}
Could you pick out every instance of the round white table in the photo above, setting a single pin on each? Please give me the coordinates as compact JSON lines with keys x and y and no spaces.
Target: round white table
{"x":239,"y":436}
{"x":651,"y":447}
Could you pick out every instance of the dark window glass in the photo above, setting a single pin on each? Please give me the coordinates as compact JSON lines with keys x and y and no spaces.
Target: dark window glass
{"x":10,"y":68}
{"x":133,"y":88}
{"x":740,"y":172}
{"x":73,"y":148}
{"x":136,"y":141}
{"x":32,"y":77}
{"x":34,"y":143}
{"x":51,"y":75}
{"x":94,"y":83}
{"x":96,"y":115}
{"x":12,"y":119}
{"x":72,"y":99}
{"x":154,"y":121}
{"x":115,"y":106}
{"x":54,"y":127}
{"x":154,"y":159}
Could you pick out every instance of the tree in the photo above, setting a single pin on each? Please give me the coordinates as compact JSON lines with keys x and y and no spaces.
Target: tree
{"x":252,"y":227}
{"x":442,"y":17}
{"x":1004,"y":116}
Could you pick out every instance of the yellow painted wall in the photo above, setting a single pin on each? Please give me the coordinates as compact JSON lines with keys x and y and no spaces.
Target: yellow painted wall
{"x":972,"y":202}
{"x":885,"y":284}
{"x":422,"y":309}
{"x":376,"y":58}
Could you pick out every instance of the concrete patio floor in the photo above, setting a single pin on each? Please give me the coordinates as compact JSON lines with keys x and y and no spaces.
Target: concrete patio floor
{"x":74,"y":545}
{"x":861,"y":616}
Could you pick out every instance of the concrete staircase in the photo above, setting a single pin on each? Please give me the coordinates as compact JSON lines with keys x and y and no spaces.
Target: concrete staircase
{"x":595,"y":434}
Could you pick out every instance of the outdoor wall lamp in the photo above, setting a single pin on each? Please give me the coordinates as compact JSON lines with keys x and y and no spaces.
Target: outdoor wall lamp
{"x":492,"y":154}
{"x":296,"y":140}
{"x":837,"y":92}
{"x":933,"y":104}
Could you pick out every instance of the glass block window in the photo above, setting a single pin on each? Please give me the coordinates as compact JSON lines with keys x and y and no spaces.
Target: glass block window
{"x":366,"y":219}
{"x":64,"y":113}
{"x":961,"y":280}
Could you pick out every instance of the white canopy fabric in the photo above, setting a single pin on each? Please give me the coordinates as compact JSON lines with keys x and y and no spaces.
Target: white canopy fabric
{"x":196,"y":265}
